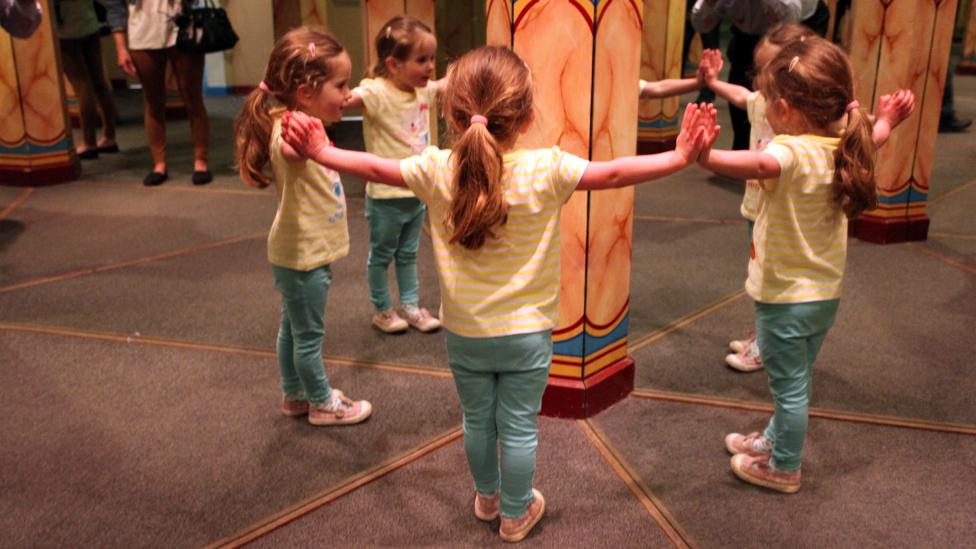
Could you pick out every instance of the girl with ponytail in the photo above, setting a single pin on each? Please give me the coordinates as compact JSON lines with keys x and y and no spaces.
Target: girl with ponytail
{"x":495,"y":230}
{"x":308,"y":71}
{"x":817,"y":173}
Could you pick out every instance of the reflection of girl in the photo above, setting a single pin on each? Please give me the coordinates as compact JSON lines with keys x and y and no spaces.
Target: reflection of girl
{"x":151,"y":31}
{"x":81,"y":54}
{"x":396,"y":103}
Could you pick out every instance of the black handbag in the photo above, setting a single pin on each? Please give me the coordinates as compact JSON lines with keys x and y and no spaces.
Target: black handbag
{"x":205,"y":29}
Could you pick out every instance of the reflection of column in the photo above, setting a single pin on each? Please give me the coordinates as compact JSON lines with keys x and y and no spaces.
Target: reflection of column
{"x":832,"y":25}
{"x":585,"y":58}
{"x":661,"y":43}
{"x":35,"y":138}
{"x":967,"y":65}
{"x":902,"y":44}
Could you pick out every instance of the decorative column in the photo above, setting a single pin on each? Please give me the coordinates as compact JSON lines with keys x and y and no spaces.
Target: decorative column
{"x":967,"y":65}
{"x":35,"y":136}
{"x":661,"y":42}
{"x":585,"y":58}
{"x":902,"y":44}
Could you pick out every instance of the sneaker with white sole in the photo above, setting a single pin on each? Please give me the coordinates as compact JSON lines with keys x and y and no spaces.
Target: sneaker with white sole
{"x":739,"y":345}
{"x":486,"y":507}
{"x":339,"y":410}
{"x":747,"y":361}
{"x":419,"y":318}
{"x":516,"y":529}
{"x":389,"y":322}
{"x":754,"y":444}
{"x":760,"y":470}
{"x":293,"y":407}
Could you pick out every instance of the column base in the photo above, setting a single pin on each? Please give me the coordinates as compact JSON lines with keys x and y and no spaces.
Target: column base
{"x":890,"y":231}
{"x":40,"y":177}
{"x":655,"y":145}
{"x":966,"y":67}
{"x":573,"y":399}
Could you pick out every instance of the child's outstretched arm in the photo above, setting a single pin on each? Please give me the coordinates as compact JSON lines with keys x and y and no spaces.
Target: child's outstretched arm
{"x":307,"y":137}
{"x":669,"y":87}
{"x":710,"y":67}
{"x":630,"y":170}
{"x":354,"y":101}
{"x":737,"y":164}
{"x":892,"y":110}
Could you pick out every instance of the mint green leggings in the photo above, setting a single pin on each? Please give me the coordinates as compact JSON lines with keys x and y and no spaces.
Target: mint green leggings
{"x":500,"y":381}
{"x":790,"y":336}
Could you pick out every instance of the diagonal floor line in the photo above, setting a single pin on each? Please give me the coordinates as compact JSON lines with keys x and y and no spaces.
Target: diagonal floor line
{"x":688,"y":219}
{"x":166,"y":189}
{"x":17,"y":201}
{"x":661,"y":515}
{"x":943,"y":258}
{"x":957,"y":190}
{"x":269,"y":524}
{"x":952,"y":235}
{"x":682,"y":322}
{"x":129,"y":262}
{"x":226,"y":349}
{"x":822,"y":413}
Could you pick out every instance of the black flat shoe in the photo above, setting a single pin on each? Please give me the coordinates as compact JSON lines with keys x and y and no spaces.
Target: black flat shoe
{"x":88,"y":154}
{"x":202,"y":177}
{"x":108,"y":149}
{"x":155,"y":178}
{"x":952,"y":124}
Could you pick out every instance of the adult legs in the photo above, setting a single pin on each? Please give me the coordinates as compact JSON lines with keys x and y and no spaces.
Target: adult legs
{"x":75,"y":68}
{"x":740,"y":52}
{"x":151,"y":68}
{"x":92,"y":53}
{"x":188,"y":68}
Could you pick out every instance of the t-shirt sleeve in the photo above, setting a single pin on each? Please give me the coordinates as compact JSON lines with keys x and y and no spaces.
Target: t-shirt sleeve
{"x":567,"y":170}
{"x":751,"y":101}
{"x":418,"y":172}
{"x":783,"y":150}
{"x":368,"y":91}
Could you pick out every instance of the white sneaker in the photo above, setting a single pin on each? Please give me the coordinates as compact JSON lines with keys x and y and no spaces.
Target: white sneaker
{"x":748,"y":361}
{"x":419,"y":318}
{"x":740,"y":345}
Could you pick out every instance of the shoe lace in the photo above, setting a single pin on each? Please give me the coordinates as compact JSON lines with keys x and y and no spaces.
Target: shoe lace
{"x":752,"y":351}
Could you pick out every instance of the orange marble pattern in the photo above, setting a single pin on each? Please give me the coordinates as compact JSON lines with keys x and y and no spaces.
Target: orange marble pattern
{"x":314,"y":13}
{"x":498,"y":16}
{"x":39,"y":79}
{"x":661,"y":42}
{"x":896,"y":44}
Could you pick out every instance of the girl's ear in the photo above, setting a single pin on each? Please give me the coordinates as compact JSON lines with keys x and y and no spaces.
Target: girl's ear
{"x":304,"y":95}
{"x":392,"y":64}
{"x":528,"y":123}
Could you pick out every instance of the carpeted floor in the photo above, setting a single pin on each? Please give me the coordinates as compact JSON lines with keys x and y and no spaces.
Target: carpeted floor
{"x":137,"y":330}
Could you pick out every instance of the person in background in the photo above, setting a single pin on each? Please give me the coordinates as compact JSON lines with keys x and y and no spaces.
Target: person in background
{"x":145,"y":39}
{"x":81,"y":55}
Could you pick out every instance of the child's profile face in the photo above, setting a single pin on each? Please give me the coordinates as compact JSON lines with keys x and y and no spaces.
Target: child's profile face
{"x":326,"y":102}
{"x":417,"y":69}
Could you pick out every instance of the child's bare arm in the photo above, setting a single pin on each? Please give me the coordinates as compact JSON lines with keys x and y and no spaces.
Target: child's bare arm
{"x":709,"y":68}
{"x":630,"y":170}
{"x":354,"y":101}
{"x":307,"y":137}
{"x":668,"y":88}
{"x":741,"y":164}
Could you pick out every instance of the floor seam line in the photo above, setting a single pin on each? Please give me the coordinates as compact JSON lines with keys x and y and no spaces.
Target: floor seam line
{"x":223,"y":349}
{"x":682,"y":322}
{"x":344,"y":488}
{"x":962,"y":265}
{"x":17,"y":201}
{"x":658,"y":512}
{"x":820,"y":413}
{"x":958,"y":189}
{"x":128,"y":263}
{"x":682,"y":219}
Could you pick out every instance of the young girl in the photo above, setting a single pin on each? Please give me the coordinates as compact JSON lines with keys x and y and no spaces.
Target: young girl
{"x":891,"y":111}
{"x":396,"y":102}
{"x":308,"y":71}
{"x":814,"y":175}
{"x":495,"y":228}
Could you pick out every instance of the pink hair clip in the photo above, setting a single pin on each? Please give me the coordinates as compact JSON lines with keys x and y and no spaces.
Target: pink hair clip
{"x":478,"y":119}
{"x":852,"y":105}
{"x":794,"y":61}
{"x":311,"y":48}
{"x":263,"y":87}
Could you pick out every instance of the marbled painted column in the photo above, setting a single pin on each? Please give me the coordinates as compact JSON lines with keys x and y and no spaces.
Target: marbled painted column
{"x":378,"y":12}
{"x":585,"y":58}
{"x":35,"y":137}
{"x":661,"y":42}
{"x":967,"y":65}
{"x":902,"y":44}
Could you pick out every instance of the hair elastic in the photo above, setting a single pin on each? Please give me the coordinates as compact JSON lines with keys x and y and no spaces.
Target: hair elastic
{"x":478,"y":119}
{"x":389,"y":31}
{"x":794,"y":61}
{"x":263,"y":87}
{"x":852,"y":105}
{"x":311,"y":48}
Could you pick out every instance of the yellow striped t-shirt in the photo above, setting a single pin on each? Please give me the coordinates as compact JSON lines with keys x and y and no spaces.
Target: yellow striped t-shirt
{"x":760,"y":134}
{"x":310,"y":228}
{"x":799,"y":244}
{"x":510,"y":285}
{"x":396,"y":124}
